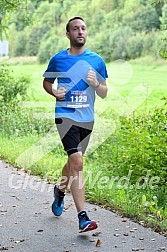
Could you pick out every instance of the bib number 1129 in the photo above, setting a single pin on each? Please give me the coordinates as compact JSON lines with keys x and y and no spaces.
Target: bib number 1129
{"x":79,"y":99}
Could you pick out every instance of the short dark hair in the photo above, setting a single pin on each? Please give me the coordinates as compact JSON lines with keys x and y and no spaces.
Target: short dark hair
{"x":69,"y":21}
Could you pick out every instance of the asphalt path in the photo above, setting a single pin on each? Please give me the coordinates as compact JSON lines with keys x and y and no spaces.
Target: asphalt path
{"x":27,"y":223}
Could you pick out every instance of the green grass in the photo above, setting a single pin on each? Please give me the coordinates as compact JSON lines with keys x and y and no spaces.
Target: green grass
{"x":145,"y":71}
{"x":12,"y":147}
{"x":118,"y":154}
{"x":151,"y":74}
{"x":127,"y":202}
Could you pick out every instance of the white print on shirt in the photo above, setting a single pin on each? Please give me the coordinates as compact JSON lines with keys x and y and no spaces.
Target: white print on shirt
{"x":78,"y":99}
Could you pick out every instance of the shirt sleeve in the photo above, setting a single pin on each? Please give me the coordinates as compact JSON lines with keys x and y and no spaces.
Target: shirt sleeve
{"x":50,"y":73}
{"x":102,"y":72}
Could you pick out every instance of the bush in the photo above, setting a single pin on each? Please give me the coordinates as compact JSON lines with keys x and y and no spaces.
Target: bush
{"x":152,"y":42}
{"x":134,"y":46}
{"x":14,"y":118}
{"x":50,"y":46}
{"x":101,"y":45}
{"x":12,"y":90}
{"x":118,"y":43}
{"x":35,"y":37}
{"x":21,"y":44}
{"x":144,"y":19}
{"x":139,"y":144}
{"x":21,"y":122}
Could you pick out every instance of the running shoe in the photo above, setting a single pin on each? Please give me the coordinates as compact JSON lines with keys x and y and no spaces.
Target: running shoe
{"x":85,"y":224}
{"x":58,"y":203}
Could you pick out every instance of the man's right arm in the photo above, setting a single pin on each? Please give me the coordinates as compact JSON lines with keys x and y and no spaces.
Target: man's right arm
{"x":58,"y":94}
{"x":47,"y":85}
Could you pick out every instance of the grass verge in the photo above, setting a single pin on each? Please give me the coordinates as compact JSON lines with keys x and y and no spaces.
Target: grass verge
{"x":134,"y":143}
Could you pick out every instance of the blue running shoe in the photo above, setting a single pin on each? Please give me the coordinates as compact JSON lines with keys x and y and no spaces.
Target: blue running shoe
{"x":85,"y":224}
{"x":58,"y":203}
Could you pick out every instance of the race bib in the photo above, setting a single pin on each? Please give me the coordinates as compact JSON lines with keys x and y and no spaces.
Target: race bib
{"x":77,"y":99}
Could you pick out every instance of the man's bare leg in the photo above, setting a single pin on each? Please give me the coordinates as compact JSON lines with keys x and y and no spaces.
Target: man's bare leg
{"x":76,"y":180}
{"x":65,"y":177}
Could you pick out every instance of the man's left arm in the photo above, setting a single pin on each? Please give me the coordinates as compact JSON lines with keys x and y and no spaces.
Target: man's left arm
{"x":101,"y":89}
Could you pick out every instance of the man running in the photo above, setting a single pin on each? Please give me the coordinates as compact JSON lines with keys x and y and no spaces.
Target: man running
{"x":80,"y":74}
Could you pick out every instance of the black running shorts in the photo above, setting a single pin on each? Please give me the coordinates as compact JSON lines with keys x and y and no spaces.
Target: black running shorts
{"x":74,"y":135}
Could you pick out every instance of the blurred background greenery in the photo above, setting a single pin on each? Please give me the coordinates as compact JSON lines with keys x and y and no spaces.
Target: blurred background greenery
{"x":125,"y":29}
{"x":135,"y":31}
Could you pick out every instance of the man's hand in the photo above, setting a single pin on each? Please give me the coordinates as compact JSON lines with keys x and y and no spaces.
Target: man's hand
{"x":60,"y":93}
{"x":52,"y":90}
{"x":91,"y":78}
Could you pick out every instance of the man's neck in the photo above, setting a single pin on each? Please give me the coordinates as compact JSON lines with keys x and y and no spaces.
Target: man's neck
{"x":76,"y":51}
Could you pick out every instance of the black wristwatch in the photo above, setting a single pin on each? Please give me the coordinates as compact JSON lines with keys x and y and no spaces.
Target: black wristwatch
{"x":97,"y":86}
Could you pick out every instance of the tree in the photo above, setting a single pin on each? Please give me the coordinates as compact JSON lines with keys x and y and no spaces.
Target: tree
{"x":142,"y":19}
{"x":35,"y":37}
{"x":7,"y":8}
{"x":163,"y":19}
{"x":21,"y":44}
{"x":112,"y":25}
{"x":163,"y":50}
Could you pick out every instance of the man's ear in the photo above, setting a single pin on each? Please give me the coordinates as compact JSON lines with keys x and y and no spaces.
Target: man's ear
{"x":68,"y":35}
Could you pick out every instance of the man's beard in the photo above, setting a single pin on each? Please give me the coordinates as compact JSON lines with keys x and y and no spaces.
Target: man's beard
{"x":77,"y":43}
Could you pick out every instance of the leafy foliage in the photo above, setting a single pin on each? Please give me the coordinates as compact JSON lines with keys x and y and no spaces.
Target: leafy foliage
{"x":12,"y":90}
{"x":114,"y":27}
{"x":15,"y":119}
{"x":7,"y":8}
{"x":138,"y":145}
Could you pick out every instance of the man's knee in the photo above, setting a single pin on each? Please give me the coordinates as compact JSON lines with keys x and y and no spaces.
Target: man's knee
{"x":76,"y":161}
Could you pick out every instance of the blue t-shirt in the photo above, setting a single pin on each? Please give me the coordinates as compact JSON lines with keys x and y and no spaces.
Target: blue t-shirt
{"x":71,"y":72}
